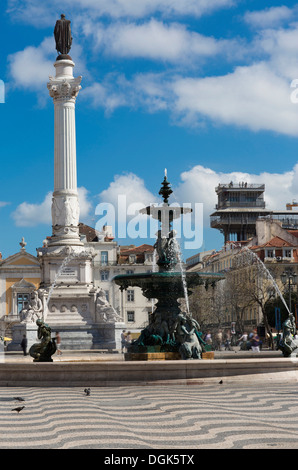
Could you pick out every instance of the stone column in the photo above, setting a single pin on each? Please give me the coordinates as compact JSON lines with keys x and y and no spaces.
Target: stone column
{"x":64,"y":88}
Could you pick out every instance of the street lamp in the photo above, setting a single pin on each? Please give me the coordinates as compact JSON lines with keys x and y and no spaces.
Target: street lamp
{"x":289,"y":276}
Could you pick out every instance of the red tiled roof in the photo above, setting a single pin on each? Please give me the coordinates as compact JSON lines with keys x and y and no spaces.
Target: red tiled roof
{"x":276,"y":242}
{"x":136,"y":250}
{"x":293,"y":232}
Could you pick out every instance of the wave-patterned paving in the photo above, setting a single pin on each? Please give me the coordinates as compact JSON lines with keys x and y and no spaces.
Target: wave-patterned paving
{"x":157,"y":417}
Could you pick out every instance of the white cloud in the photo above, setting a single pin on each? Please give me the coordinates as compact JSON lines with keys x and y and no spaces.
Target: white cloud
{"x":137,"y":8}
{"x":155,"y":40}
{"x":279,"y":49}
{"x":143,"y":90}
{"x":45,"y":13}
{"x":31,"y":67}
{"x":253,"y":97}
{"x":120,"y":204}
{"x":270,"y":17}
{"x":32,"y":214}
{"x":130,"y":186}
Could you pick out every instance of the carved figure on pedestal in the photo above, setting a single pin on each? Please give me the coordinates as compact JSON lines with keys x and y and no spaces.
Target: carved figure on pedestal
{"x":33,"y":310}
{"x":65,"y":211}
{"x":104,"y":310}
{"x":42,"y":352}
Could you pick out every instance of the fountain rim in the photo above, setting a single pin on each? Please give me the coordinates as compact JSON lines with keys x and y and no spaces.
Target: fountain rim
{"x":169,"y":274}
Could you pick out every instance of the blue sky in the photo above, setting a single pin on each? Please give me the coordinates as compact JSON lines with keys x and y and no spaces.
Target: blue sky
{"x":200,"y":87}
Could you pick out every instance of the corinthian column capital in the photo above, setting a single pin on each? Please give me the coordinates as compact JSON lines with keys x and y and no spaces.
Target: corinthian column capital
{"x":64,"y":89}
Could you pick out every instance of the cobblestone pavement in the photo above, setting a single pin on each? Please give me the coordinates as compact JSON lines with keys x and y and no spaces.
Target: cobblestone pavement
{"x":216,"y":416}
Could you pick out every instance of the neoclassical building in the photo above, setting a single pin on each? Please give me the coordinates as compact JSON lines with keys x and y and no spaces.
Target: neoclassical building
{"x":20,"y":275}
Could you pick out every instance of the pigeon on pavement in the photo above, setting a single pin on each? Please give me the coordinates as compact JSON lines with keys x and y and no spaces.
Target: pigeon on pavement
{"x":18,"y":409}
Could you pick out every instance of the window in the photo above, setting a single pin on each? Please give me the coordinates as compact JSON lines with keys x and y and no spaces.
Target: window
{"x":130,"y":316}
{"x":130,"y":295}
{"x":129,"y":271}
{"x":270,"y":254}
{"x":132,"y":258}
{"x":21,"y":300}
{"x":288,"y":253}
{"x":104,"y":275}
{"x":107,"y":295}
{"x":104,"y":258}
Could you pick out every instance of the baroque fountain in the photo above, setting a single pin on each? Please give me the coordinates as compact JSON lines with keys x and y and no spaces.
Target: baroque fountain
{"x":171,"y":332}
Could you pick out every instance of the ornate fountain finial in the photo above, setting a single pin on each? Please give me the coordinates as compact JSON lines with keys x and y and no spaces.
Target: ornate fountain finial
{"x":165,"y":190}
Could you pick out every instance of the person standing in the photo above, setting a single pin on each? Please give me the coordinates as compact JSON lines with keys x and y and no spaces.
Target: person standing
{"x":58,"y":343}
{"x":123,"y":340}
{"x":128,"y":339}
{"x":24,"y":344}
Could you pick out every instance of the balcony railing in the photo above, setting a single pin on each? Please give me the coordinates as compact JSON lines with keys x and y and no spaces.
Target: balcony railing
{"x":240,"y":204}
{"x":245,"y":219}
{"x":241,"y":185}
{"x":97,"y":264}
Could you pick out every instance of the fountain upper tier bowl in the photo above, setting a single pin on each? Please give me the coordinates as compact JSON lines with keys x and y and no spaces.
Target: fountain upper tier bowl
{"x":168,"y":282}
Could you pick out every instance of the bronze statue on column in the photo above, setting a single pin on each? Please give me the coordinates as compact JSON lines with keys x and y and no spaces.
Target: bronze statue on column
{"x":62,"y":34}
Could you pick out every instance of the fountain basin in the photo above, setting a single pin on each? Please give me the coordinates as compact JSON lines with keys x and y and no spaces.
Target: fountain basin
{"x":167,"y":283}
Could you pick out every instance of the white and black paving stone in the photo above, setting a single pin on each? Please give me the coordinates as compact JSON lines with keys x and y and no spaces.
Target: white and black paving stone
{"x":213,"y":416}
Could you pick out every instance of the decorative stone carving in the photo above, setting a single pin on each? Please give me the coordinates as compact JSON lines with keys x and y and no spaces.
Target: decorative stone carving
{"x":64,"y":89}
{"x":65,"y":211}
{"x":33,"y":310}
{"x":106,"y":313}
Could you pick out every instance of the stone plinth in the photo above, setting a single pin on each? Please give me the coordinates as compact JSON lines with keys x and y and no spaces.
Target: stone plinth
{"x":162,"y":356}
{"x":208,"y":355}
{"x":18,"y":331}
{"x":157,"y":356}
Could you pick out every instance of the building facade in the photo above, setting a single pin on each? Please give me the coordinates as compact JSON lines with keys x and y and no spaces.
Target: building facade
{"x":20,"y":275}
{"x":251,"y":268}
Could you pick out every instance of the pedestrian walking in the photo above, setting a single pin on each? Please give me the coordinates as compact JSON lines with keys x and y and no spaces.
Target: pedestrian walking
{"x":255,"y":343}
{"x":24,"y":344}
{"x":123,"y":340}
{"x":218,"y":340}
